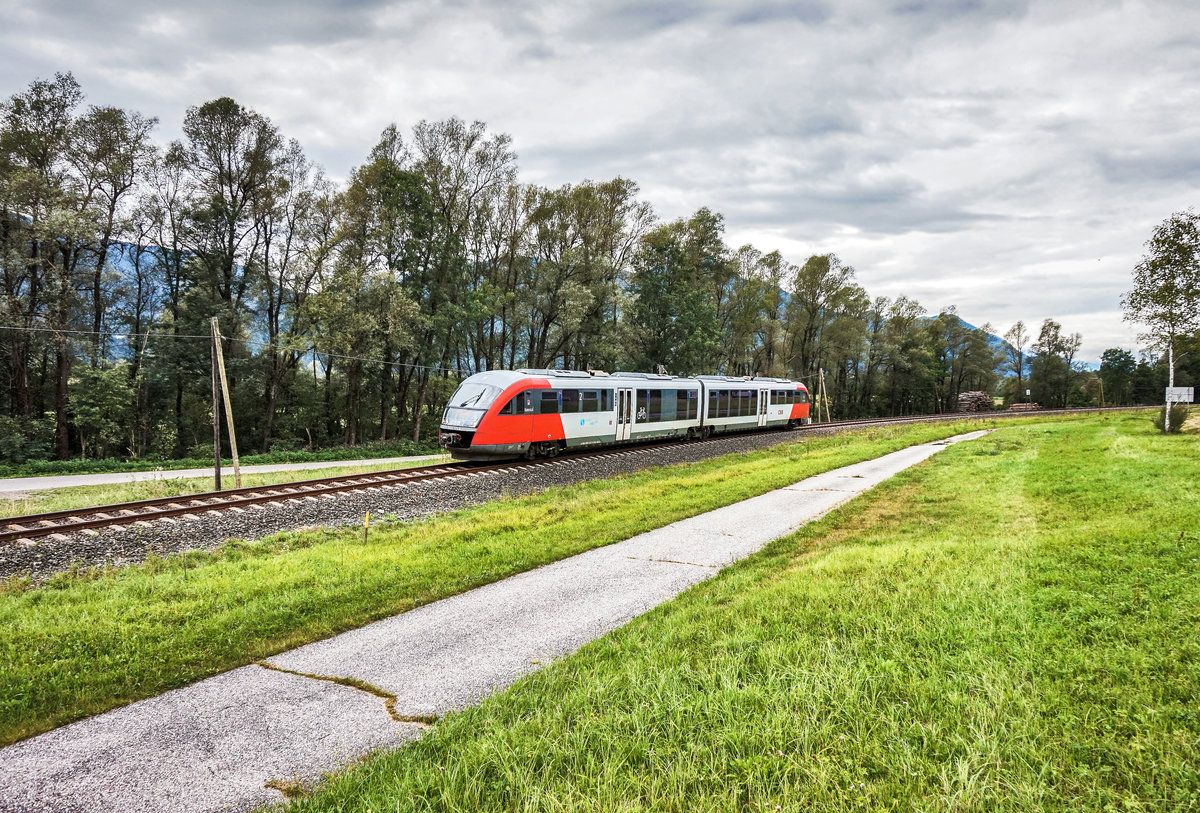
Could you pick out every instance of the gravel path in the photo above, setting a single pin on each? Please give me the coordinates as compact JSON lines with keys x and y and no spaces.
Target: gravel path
{"x":125,"y":545}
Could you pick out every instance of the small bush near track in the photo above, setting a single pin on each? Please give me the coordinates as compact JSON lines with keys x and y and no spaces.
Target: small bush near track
{"x":1014,"y":625}
{"x":1179,"y":416}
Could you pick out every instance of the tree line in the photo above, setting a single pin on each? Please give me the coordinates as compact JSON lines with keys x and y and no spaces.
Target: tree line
{"x":348,"y":312}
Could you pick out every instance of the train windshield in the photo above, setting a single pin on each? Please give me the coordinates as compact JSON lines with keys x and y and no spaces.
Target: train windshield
{"x":474,"y":396}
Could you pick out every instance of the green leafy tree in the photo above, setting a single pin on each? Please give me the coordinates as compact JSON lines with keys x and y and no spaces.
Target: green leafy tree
{"x":1117,"y":368}
{"x":674,"y":321}
{"x":821,"y":290}
{"x":1166,"y":284}
{"x":1016,"y":340}
{"x":1051,"y":375}
{"x":101,"y":398}
{"x":42,"y":233}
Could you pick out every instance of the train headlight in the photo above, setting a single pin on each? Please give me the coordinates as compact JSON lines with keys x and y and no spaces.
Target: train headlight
{"x":466,"y":418}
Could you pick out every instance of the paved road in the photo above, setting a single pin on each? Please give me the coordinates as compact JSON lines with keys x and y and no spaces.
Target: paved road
{"x":214,"y":745}
{"x":17,"y":487}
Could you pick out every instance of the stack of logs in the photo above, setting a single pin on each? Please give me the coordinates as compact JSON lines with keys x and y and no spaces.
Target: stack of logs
{"x":974,"y":402}
{"x":1019,"y":407}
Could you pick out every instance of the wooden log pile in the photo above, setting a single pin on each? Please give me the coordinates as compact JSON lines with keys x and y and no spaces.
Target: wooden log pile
{"x":1020,"y":407}
{"x":974,"y":402}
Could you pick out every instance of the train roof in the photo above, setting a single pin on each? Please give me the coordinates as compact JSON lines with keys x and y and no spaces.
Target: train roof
{"x":505,"y":378}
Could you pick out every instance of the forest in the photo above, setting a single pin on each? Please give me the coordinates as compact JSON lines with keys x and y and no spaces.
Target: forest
{"x":349,"y":311}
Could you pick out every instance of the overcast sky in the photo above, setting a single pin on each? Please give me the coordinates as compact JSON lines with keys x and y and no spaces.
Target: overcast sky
{"x":1008,"y":158}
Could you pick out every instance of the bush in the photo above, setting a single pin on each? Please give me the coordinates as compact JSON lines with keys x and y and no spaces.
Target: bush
{"x":21,"y":442}
{"x":1179,"y":414}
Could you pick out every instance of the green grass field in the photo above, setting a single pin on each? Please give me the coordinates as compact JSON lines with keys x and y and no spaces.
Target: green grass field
{"x":83,"y":643}
{"x":1014,"y":625}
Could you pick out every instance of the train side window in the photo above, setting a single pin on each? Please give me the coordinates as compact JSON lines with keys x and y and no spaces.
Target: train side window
{"x":570,"y":400}
{"x":801,"y":397}
{"x":606,"y":400}
{"x":589,"y":401}
{"x":519,"y":404}
{"x":685,"y":405}
{"x":548,"y":403}
{"x":668,"y":404}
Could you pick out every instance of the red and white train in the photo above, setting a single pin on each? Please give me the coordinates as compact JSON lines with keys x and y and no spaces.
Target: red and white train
{"x":538,"y":413}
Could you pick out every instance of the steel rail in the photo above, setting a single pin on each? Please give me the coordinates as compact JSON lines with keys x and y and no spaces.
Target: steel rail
{"x":69,"y":521}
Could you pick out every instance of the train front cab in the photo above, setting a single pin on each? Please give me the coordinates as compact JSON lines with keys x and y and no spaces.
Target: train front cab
{"x":491,"y":416}
{"x":537,"y":413}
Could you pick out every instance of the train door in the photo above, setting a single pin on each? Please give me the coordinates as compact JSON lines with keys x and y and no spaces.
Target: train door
{"x":763,"y":401}
{"x":624,"y":413}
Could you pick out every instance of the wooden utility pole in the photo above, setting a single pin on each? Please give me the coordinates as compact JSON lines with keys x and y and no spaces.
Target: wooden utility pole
{"x":823,"y":398}
{"x":237,"y":471}
{"x":216,"y":395}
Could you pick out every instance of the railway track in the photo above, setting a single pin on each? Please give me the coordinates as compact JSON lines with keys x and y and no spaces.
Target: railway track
{"x":142,"y":512}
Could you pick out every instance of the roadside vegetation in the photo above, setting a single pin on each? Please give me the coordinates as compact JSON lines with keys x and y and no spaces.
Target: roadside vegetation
{"x":1014,"y":625}
{"x":85,"y":642}
{"x":110,"y":493}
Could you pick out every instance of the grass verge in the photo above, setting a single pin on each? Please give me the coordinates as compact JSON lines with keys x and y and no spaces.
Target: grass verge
{"x":1014,"y":625}
{"x":83,"y":643}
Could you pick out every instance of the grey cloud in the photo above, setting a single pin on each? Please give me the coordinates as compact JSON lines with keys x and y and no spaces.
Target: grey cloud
{"x":946,"y":10}
{"x":1151,"y":167}
{"x":537,"y":52}
{"x":635,"y":20}
{"x":809,"y":13}
{"x":217,"y":24}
